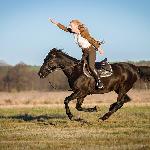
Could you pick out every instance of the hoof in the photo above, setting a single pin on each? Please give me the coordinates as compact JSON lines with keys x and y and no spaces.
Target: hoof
{"x":70,"y":116}
{"x":95,"y":109}
{"x":104,"y":117}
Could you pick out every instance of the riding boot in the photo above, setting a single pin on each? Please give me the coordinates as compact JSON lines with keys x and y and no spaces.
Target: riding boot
{"x":99,"y":83}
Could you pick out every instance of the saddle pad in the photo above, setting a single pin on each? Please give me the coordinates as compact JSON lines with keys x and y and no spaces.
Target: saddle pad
{"x":103,"y":67}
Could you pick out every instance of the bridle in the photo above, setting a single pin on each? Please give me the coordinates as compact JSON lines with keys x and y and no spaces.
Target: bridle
{"x":57,"y":69}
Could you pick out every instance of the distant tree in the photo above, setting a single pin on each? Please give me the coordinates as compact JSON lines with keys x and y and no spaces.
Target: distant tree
{"x":3,"y":73}
{"x":17,"y":78}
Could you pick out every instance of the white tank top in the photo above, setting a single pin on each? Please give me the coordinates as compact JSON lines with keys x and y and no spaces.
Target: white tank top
{"x":82,"y":42}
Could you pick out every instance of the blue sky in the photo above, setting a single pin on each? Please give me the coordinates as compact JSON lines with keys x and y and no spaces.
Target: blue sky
{"x":26,"y":35}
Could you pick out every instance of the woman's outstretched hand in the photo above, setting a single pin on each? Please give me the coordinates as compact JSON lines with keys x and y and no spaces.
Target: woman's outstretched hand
{"x":53,"y":21}
{"x":101,"y":51}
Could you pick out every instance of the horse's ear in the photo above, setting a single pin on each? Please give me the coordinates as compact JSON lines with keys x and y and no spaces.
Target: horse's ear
{"x":54,"y":49}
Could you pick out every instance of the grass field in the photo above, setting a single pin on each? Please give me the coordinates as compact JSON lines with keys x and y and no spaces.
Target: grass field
{"x":28,"y":126}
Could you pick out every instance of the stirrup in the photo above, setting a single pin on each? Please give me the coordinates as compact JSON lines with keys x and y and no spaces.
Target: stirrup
{"x":99,"y":84}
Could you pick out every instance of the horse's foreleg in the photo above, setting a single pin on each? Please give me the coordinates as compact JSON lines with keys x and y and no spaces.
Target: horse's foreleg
{"x":68,"y":99}
{"x":80,"y":108}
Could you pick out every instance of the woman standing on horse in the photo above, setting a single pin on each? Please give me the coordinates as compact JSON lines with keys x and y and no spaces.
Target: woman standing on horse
{"x":87,"y":43}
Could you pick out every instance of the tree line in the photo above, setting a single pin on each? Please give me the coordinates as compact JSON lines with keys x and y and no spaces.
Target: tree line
{"x":23,"y":77}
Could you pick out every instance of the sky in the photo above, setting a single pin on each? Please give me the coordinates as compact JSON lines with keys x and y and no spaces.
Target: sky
{"x":27,"y":35}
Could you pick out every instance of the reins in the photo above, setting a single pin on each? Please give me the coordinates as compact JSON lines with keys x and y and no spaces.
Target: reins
{"x":61,"y":69}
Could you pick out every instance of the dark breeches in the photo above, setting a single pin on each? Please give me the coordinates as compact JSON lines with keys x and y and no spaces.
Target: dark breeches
{"x":91,"y":59}
{"x":89,"y":55}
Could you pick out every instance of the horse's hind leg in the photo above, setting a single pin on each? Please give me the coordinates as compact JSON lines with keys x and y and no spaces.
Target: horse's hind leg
{"x":114,"y":107}
{"x":122,"y":98}
{"x":126,"y":99}
{"x":79,"y":108}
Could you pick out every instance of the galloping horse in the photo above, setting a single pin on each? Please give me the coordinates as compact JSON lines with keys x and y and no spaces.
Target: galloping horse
{"x":121,"y":81}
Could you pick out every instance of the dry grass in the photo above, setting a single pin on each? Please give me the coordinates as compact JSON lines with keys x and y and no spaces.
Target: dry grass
{"x":57,"y":98}
{"x":49,"y":128}
{"x":27,"y":123}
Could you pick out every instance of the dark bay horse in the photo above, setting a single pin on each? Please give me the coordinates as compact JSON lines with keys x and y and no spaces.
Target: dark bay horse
{"x":121,"y":81}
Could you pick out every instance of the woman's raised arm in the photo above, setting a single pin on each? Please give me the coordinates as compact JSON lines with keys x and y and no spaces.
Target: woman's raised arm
{"x":62,"y":27}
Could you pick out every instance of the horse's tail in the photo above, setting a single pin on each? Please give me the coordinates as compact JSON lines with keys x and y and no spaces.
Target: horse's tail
{"x":144,"y":72}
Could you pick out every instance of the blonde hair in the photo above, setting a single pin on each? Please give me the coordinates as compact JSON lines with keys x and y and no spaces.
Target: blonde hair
{"x":78,"y":23}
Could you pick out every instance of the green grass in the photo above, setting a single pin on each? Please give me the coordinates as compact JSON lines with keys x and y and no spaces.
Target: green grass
{"x":49,"y":128}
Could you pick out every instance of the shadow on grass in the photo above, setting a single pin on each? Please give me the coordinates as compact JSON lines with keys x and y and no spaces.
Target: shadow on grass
{"x":28,"y":117}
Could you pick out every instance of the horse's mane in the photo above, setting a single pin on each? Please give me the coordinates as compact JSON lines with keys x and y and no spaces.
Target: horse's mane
{"x":59,"y":51}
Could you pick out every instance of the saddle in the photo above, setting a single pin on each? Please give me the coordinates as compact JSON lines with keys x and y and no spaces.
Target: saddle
{"x":103,"y":67}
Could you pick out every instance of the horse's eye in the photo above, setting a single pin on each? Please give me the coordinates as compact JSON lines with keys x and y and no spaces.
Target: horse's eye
{"x":46,"y":67}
